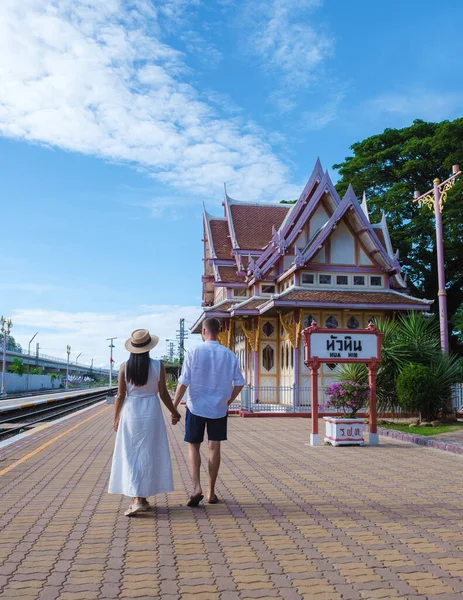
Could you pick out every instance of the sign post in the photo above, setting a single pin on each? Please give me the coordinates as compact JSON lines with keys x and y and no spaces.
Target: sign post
{"x":343,"y":346}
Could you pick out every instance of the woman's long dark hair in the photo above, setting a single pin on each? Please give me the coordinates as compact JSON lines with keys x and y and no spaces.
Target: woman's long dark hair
{"x":138,"y":368}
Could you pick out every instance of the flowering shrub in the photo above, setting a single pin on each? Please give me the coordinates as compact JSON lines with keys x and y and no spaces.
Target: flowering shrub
{"x":349,"y":396}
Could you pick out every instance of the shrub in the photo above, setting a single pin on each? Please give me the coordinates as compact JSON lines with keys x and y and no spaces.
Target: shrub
{"x":411,"y":338}
{"x":349,"y":396}
{"x":416,"y":390}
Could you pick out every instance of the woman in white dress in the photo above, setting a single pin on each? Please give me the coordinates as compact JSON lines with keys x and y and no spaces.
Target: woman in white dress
{"x":141,"y":464}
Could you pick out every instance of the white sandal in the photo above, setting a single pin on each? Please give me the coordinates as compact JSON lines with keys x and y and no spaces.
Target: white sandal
{"x":134,"y":509}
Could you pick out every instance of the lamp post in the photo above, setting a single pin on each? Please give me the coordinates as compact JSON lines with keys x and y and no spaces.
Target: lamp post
{"x":68,"y":350}
{"x":7,"y":324}
{"x":29,"y":358}
{"x":435,"y":199}
{"x":111,"y":346}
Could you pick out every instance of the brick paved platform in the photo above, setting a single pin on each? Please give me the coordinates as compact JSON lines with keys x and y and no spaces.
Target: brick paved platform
{"x":295,"y":521}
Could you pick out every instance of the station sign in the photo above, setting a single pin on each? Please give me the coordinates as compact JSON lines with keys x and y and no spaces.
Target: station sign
{"x":343,"y":346}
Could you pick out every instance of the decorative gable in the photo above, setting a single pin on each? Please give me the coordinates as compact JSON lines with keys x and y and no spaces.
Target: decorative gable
{"x":342,"y":246}
{"x":319,"y":218}
{"x":364,"y":260}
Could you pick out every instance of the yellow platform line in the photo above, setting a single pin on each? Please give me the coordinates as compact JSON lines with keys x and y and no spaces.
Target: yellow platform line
{"x":49,"y":443}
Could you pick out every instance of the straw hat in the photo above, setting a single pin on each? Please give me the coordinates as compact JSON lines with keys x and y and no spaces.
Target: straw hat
{"x":141,"y":341}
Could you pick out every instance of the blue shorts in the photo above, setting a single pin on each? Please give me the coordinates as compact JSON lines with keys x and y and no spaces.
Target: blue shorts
{"x":195,"y":426}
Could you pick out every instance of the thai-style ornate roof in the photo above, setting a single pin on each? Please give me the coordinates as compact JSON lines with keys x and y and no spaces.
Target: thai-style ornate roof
{"x":220,"y":241}
{"x":249,"y":305}
{"x":259,"y":242}
{"x":253,"y":223}
{"x":230,"y":275}
{"x":347,"y":297}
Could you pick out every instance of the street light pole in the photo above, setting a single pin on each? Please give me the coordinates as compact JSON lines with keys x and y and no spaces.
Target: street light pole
{"x":7,"y":324}
{"x":111,"y":345}
{"x":435,"y":199}
{"x":68,"y":350}
{"x":29,"y":358}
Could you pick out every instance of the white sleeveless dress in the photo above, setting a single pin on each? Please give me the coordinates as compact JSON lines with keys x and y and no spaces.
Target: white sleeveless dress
{"x":141,"y":461}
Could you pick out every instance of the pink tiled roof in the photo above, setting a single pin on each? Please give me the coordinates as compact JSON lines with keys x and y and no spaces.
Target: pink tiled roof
{"x":347,"y":297}
{"x":220,"y":238}
{"x":253,"y":224}
{"x":252,"y":303}
{"x":228,"y":275}
{"x":221,"y":307}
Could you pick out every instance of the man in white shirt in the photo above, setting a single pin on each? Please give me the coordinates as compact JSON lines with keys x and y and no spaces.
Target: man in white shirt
{"x":212,"y":374}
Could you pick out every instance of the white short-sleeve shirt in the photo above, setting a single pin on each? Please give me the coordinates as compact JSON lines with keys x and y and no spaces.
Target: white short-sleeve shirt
{"x":210,"y":371}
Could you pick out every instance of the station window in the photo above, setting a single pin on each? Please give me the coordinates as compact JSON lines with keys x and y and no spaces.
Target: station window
{"x":267,"y":289}
{"x":359,"y":279}
{"x":376,"y":281}
{"x":342,"y":279}
{"x":331,"y":322}
{"x":308,"y":321}
{"x":268,"y":359}
{"x":308,"y":279}
{"x":324,"y":279}
{"x":353,"y":323}
{"x":268,"y":328}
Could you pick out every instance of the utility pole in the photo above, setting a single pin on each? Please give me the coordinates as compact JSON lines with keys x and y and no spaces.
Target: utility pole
{"x":29,"y":359}
{"x":181,"y":336}
{"x":68,"y":350}
{"x":6,"y":325}
{"x":435,"y":199}
{"x":111,"y":346}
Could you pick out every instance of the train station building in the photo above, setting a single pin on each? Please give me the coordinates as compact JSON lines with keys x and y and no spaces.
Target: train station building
{"x":271,"y":269}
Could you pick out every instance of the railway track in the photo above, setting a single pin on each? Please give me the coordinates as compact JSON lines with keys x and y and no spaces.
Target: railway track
{"x":21,"y":419}
{"x":16,"y":395}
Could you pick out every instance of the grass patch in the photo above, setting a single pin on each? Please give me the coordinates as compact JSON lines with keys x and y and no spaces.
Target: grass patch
{"x":446,"y":428}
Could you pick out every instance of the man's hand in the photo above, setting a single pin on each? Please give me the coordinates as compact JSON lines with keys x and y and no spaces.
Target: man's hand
{"x":176,"y":417}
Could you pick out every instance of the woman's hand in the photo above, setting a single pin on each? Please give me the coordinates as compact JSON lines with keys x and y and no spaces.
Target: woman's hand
{"x":176,"y":416}
{"x":116,"y":423}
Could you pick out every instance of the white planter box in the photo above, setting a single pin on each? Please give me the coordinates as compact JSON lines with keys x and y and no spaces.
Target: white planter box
{"x":343,"y":432}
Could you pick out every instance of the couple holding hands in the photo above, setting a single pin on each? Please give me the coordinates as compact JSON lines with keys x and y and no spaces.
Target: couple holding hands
{"x":141,"y":465}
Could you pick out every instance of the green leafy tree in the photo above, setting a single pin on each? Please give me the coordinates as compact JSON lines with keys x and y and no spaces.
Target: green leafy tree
{"x":389,"y":167}
{"x":11,"y":343}
{"x":17,"y":366}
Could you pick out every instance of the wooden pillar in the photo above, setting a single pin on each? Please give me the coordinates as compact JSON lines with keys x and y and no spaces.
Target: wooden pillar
{"x":314,"y":367}
{"x":372,"y":371}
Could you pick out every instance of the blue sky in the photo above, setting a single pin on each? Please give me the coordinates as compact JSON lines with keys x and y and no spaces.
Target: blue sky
{"x":118,"y":119}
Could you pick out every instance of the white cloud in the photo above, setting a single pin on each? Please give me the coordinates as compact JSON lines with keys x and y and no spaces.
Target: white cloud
{"x":418,"y":103}
{"x":326,"y":114}
{"x":287,"y":39}
{"x":86,"y":332}
{"x":95,"y":77}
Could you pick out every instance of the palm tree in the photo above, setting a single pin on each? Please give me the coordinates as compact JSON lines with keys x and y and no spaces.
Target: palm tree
{"x":411,"y":338}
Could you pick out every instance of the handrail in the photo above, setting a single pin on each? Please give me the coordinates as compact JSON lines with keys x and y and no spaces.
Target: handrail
{"x":62,"y":361}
